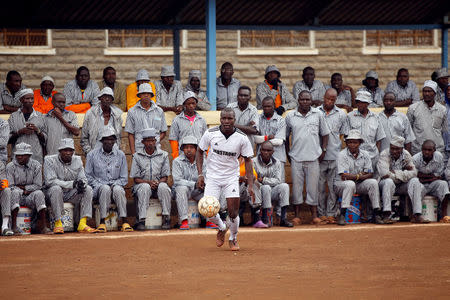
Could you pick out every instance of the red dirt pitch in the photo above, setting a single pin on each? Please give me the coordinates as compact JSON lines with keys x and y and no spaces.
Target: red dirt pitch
{"x":401,"y":261}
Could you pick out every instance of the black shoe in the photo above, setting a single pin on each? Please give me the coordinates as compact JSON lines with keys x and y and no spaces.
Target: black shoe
{"x":378,"y":220}
{"x":341,"y":220}
{"x":166,"y":223}
{"x":139,"y":226}
{"x":286,"y":223}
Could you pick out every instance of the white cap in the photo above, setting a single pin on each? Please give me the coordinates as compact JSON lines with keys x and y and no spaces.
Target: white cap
{"x":190,"y":94}
{"x":142,"y":75}
{"x":363,"y":96}
{"x":145,"y":88}
{"x":397,"y":141}
{"x":189,"y":140}
{"x":22,"y":93}
{"x":149,"y":132}
{"x":106,"y":91}
{"x":66,"y":143}
{"x":107,"y":131}
{"x":354,"y":134}
{"x":23,"y":149}
{"x":431,"y":84}
{"x":272,"y":68}
{"x":372,"y":74}
{"x":48,"y":78}
{"x":167,"y":71}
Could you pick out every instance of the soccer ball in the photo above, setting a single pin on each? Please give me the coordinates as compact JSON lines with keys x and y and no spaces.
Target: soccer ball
{"x":208,"y":206}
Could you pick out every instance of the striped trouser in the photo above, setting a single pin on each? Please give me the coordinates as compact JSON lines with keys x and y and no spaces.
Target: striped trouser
{"x":182,"y":195}
{"x":305,"y":171}
{"x":58,"y":196}
{"x":437,"y":188}
{"x":5,"y":202}
{"x":278,"y":193}
{"x":412,"y":188}
{"x":35,"y":200}
{"x":346,"y":189}
{"x":105,"y":193}
{"x":143,"y":192}
{"x":327,"y":203}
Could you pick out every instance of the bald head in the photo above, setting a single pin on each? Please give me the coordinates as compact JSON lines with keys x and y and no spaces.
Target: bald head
{"x":329,"y":99}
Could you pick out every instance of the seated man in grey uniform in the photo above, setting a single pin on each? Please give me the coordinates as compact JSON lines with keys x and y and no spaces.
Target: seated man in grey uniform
{"x":107,"y":173}
{"x":268,"y":169}
{"x":430,"y":167}
{"x":5,"y":201}
{"x":354,"y":175}
{"x":150,"y":169}
{"x":65,"y":181}
{"x":24,"y":175}
{"x":398,"y":176}
{"x":185,"y":175}
{"x":169,"y":92}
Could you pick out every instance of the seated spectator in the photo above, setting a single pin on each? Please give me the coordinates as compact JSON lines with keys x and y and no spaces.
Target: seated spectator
{"x":99,"y":117}
{"x":371,"y":85}
{"x":43,"y":96}
{"x":28,"y":126}
{"x":8,"y":101}
{"x":4,"y":138}
{"x":442,"y":82}
{"x":428,"y":119}
{"x":145,"y":114}
{"x":5,"y":201}
{"x":398,"y":176}
{"x":274,"y":88}
{"x":346,"y":95}
{"x":226,"y":86}
{"x":187,"y":123}
{"x":185,"y":175}
{"x":132,"y":90}
{"x":150,"y":169}
{"x":355,"y":175}
{"x":81,"y":93}
{"x":394,"y":123}
{"x":119,"y":89}
{"x":24,"y":176}
{"x":254,"y":202}
{"x":272,"y":188}
{"x":430,"y":166}
{"x":405,"y":90}
{"x":65,"y":181}
{"x":193,"y":85}
{"x":315,"y":87}
{"x":107,"y":173}
{"x":169,"y":93}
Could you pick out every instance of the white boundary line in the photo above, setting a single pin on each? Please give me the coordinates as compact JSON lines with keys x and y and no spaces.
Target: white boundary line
{"x":175,"y":232}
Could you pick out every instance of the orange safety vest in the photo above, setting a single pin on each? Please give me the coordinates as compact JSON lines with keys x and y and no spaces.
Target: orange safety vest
{"x":278,"y":101}
{"x":40,"y":104}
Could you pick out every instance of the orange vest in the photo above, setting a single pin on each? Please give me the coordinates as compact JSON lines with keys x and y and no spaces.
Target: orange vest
{"x":278,"y":101}
{"x":40,"y":104}
{"x":242,"y":171}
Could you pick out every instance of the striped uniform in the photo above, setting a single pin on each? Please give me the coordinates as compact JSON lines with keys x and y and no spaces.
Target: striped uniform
{"x":58,"y":130}
{"x":74,"y":96}
{"x":171,"y":98}
{"x":4,"y":137}
{"x":5,"y":194}
{"x":182,"y":126}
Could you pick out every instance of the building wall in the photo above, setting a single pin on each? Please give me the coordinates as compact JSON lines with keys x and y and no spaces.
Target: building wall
{"x":339,"y":51}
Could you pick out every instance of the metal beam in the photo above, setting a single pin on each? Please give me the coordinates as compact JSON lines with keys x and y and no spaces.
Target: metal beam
{"x":444,"y":43}
{"x":176,"y":53}
{"x":211,"y":51}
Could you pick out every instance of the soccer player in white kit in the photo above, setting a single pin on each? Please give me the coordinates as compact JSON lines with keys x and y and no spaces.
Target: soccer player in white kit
{"x":226,"y":144}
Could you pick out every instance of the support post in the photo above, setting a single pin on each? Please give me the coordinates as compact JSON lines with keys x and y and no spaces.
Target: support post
{"x":444,"y":43}
{"x":176,"y":53}
{"x":211,"y":51}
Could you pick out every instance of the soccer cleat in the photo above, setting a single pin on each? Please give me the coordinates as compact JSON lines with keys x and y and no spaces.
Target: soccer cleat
{"x":260,"y":224}
{"x":184,"y":225}
{"x":234,"y":246}
{"x":220,"y":239}
{"x":341,"y":220}
{"x":211,"y":225}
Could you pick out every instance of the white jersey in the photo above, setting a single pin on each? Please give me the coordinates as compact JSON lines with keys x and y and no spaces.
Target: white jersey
{"x":222,"y":162}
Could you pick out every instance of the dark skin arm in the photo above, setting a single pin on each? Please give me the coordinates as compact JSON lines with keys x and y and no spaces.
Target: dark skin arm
{"x":286,"y":146}
{"x":199,"y":161}
{"x":346,"y":107}
{"x":403,"y":103}
{"x":250,"y":178}
{"x":7,"y":109}
{"x":176,"y":109}
{"x":362,"y":176}
{"x":131,"y":143}
{"x":153,"y":183}
{"x":324,"y":143}
{"x":72,"y":129}
{"x":317,"y":103}
{"x":427,"y":178}
{"x":249,"y":129}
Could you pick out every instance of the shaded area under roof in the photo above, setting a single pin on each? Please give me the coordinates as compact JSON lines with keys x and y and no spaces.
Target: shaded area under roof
{"x":230,"y":13}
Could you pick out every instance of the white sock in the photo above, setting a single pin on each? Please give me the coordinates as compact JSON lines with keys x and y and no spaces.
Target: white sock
{"x":234,"y":227}
{"x":218,"y":221}
{"x":5,"y":222}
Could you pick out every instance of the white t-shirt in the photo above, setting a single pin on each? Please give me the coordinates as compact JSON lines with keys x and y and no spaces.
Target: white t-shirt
{"x":222,"y":162}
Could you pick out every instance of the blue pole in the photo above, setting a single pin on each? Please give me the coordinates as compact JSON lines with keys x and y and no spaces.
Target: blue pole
{"x":176,"y":53}
{"x":444,"y":55}
{"x":211,"y":51}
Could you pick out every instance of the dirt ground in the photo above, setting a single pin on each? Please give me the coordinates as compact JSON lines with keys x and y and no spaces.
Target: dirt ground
{"x":360,"y":261}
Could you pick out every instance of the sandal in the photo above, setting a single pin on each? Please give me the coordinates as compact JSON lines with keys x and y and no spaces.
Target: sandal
{"x":101,"y":228}
{"x":318,"y":221}
{"x":445,"y":219}
{"x":331,"y":220}
{"x":58,"y":230}
{"x":46,"y":230}
{"x":87,"y":229}
{"x":297,"y":221}
{"x":126,"y":228}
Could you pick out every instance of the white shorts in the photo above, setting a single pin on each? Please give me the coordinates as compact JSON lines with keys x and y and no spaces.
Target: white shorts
{"x":229,"y":188}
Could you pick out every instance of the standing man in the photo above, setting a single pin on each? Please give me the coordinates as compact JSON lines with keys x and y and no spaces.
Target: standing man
{"x":394,"y":123}
{"x":59,"y":124}
{"x":346,"y":95}
{"x":442,"y":82}
{"x":132,"y":90}
{"x":404,"y":90}
{"x":371,"y":86}
{"x":81,"y":93}
{"x":398,"y":176}
{"x":43,"y":96}
{"x":274,"y":88}
{"x":145,"y":114}
{"x":169,"y":92}
{"x":5,"y":201}
{"x":315,"y":87}
{"x":193,"y":85}
{"x":187,"y":123}
{"x":355,"y":175}
{"x":66,"y":182}
{"x":24,"y":176}
{"x":269,"y":181}
{"x":107,"y":173}
{"x":338,"y":124}
{"x":226,"y":144}
{"x":28,"y":126}
{"x":246,"y":114}
{"x":368,"y":125}
{"x":430,"y":167}
{"x":99,"y":117}
{"x":8,"y":101}
{"x":150,"y":169}
{"x":428,"y":119}
{"x":119,"y":89}
{"x":226,"y":86}
{"x":309,"y":145}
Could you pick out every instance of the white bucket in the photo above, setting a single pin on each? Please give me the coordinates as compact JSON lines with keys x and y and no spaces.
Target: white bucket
{"x":111,"y":220}
{"x":154,"y":215}
{"x":429,"y":208}
{"x":67,"y":217}
{"x":24,"y":219}
{"x":193,"y":214}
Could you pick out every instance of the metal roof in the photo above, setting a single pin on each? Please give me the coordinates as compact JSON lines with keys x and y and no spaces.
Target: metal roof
{"x":230,"y":13}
